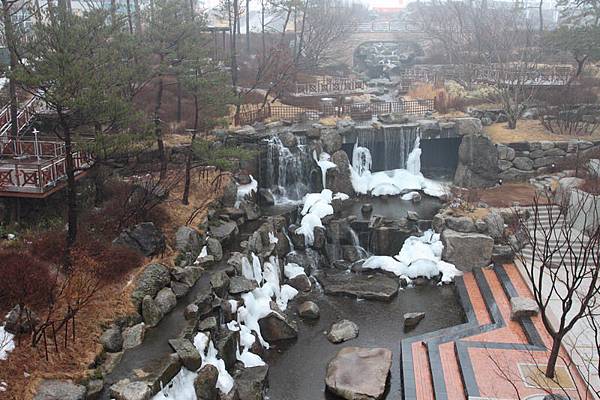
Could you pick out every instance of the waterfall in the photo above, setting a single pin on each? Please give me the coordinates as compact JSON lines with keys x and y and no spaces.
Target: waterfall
{"x":361,"y":159}
{"x":288,"y":171}
{"x":413,"y":161}
{"x":389,"y":146}
{"x":356,"y":243}
{"x":324,"y":162}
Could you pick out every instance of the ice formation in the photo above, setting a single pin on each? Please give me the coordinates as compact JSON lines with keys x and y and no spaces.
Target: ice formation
{"x":7,"y":343}
{"x":324,"y":162}
{"x":419,"y":256}
{"x":393,"y":182}
{"x":245,"y":190}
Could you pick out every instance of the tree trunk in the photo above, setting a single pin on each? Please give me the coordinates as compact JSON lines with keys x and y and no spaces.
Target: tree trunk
{"x":190,"y":156}
{"x":303,"y":25}
{"x":113,"y":12}
{"x":234,"y":66}
{"x":12,"y":87}
{"x":553,"y":358}
{"x":262,"y":29}
{"x":541,"y":15}
{"x":138,"y":17}
{"x":129,"y":18}
{"x":71,"y":193}
{"x":157,"y":126}
{"x":178,"y":100}
{"x":248,"y":26}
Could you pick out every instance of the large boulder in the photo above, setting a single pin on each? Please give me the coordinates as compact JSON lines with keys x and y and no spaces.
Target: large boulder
{"x":187,"y":239}
{"x":60,"y":390}
{"x":495,"y":224}
{"x":214,"y":248}
{"x":187,"y":275}
{"x":252,"y":382}
{"x":309,"y":310}
{"x":127,"y":390}
{"x":358,"y":373}
{"x":478,"y":162}
{"x":342,"y":331}
{"x":133,"y":336}
{"x":112,"y":339}
{"x":467,"y":250}
{"x":468,"y":126}
{"x":288,"y":139}
{"x":151,"y":312}
{"x":229,"y":194}
{"x":187,"y":352}
{"x":153,"y":278}
{"x":339,"y":179}
{"x":144,"y":238}
{"x":239,"y":285}
{"x":226,"y":344}
{"x":332,"y":141}
{"x":205,"y":383}
{"x":275,"y":327}
{"x":375,"y":287}
{"x":224,"y":231}
{"x":165,"y":300}
{"x":522,"y":307}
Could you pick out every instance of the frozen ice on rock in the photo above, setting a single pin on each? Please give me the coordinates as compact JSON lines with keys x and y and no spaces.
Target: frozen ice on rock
{"x":419,"y":256}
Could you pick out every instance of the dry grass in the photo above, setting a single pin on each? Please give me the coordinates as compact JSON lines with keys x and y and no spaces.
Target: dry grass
{"x":508,"y":194}
{"x":422,"y":91}
{"x":27,"y":366}
{"x":527,"y":130}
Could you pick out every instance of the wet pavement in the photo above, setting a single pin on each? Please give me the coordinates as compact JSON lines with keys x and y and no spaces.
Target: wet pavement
{"x":297,"y":371}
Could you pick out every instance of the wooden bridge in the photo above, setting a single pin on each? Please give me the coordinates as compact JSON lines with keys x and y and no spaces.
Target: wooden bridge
{"x":29,"y":167}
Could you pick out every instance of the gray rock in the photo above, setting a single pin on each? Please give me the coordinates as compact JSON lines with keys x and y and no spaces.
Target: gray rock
{"x":153,"y":278}
{"x":133,"y":336}
{"x":516,"y":175}
{"x":265,"y":197}
{"x":288,"y":139}
{"x":495,"y":224}
{"x":187,"y":239}
{"x":187,"y":352}
{"x":94,"y":389}
{"x":204,"y":301}
{"x":151,"y":312}
{"x":239,"y":285}
{"x":17,"y":321}
{"x":478,"y":162}
{"x":205,"y":383}
{"x":112,"y":340}
{"x":412,"y":319}
{"x":460,"y":224}
{"x":60,"y":390}
{"x":251,"y":210}
{"x":412,"y":216}
{"x":208,"y":324}
{"x":214,"y":248}
{"x":220,"y":283}
{"x":522,"y":307}
{"x":300,"y":283}
{"x":332,"y":141}
{"x":190,"y":312}
{"x":179,"y":288}
{"x":225,"y":231}
{"x":342,"y":331}
{"x":546,"y":161}
{"x":226,"y":345}
{"x":468,"y":126}
{"x":503,"y":253}
{"x":467,"y":250}
{"x":481,"y":226}
{"x":111,"y":360}
{"x":359,"y":373}
{"x":127,"y":390}
{"x":523,"y":163}
{"x":376,"y":287}
{"x":275,"y":327}
{"x":188,"y":275}
{"x":252,"y":382}
{"x":165,"y":371}
{"x":165,"y":300}
{"x":236,"y":261}
{"x":503,"y":165}
{"x":320,"y":237}
{"x":229,"y":194}
{"x":339,"y":179}
{"x":309,"y":310}
{"x":144,"y":238}
{"x":505,"y":152}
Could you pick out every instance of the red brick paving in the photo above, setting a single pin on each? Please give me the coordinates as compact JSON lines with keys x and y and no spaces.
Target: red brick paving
{"x":495,"y":370}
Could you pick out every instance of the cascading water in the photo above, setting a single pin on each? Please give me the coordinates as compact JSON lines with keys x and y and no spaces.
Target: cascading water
{"x":389,"y":145}
{"x":288,"y":171}
{"x":356,"y":243}
{"x":413,"y":161}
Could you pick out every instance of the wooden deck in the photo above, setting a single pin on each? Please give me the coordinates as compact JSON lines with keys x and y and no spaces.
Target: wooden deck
{"x":36,"y":169}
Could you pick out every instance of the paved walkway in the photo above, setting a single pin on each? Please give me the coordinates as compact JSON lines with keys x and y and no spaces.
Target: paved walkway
{"x":489,"y":356}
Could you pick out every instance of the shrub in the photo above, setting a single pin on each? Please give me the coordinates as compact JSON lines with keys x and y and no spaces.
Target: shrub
{"x":24,"y":280}
{"x":115,"y":261}
{"x":49,"y":246}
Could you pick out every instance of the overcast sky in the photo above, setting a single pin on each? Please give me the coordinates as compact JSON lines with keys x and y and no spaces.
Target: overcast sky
{"x":372,"y":3}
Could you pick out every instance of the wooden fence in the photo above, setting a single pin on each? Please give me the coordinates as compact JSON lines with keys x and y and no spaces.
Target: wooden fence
{"x":326,"y":86}
{"x":358,"y":111}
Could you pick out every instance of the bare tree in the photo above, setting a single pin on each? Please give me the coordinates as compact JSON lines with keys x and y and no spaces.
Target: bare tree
{"x":562,"y":263}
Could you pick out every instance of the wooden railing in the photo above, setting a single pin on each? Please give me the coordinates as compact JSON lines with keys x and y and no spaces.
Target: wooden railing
{"x":24,"y":117}
{"x":249,"y":116}
{"x":329,"y":86}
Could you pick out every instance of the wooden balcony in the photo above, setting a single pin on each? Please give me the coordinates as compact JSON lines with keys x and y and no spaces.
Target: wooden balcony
{"x":36,"y":169}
